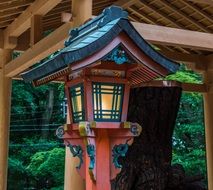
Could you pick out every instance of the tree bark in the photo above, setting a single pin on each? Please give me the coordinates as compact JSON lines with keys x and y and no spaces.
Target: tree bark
{"x":147,"y":165}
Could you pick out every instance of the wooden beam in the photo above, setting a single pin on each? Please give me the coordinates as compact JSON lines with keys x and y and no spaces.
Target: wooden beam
{"x":11,"y":12}
{"x":209,"y":61}
{"x":15,"y":4}
{"x":175,"y":37}
{"x":23,"y":22}
{"x":81,"y":11}
{"x":8,"y":18}
{"x":3,"y":25}
{"x":162,"y":14}
{"x":207,"y":2}
{"x":23,"y":42}
{"x":1,"y":38}
{"x":40,"y":50}
{"x":5,"y":99}
{"x":182,"y":57}
{"x":6,"y":1}
{"x":208,"y":110}
{"x":36,"y":29}
{"x":187,"y":87}
{"x":134,"y":11}
{"x":198,"y":10}
{"x":125,"y":3}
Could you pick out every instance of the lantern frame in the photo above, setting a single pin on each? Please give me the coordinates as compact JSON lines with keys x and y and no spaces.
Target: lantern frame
{"x":87,"y":81}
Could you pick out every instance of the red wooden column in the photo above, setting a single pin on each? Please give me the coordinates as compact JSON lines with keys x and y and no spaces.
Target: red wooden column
{"x":90,"y":184}
{"x":103,"y":155}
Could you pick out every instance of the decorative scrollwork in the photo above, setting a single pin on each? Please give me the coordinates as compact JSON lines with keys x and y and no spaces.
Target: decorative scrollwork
{"x":91,"y":154}
{"x":136,"y":129}
{"x":77,"y":151}
{"x":119,"y":56}
{"x":119,"y":151}
{"x":60,"y":132}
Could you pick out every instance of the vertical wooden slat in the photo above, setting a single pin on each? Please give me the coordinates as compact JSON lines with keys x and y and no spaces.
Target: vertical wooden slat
{"x":125,"y":102}
{"x":208,"y":110}
{"x":5,"y":99}
{"x":81,"y":11}
{"x":36,"y":29}
{"x":88,"y":100}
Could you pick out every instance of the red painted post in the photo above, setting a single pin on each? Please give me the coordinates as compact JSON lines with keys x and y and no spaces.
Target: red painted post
{"x":90,"y":185}
{"x":103,"y":160}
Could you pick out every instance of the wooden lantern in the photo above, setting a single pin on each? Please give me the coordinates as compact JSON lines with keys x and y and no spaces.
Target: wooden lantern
{"x":102,"y":60}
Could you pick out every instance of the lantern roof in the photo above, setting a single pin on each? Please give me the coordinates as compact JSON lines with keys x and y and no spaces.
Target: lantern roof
{"x":89,"y":39}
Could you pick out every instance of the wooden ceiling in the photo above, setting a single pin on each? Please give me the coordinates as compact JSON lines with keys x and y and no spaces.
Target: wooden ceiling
{"x":196,"y":15}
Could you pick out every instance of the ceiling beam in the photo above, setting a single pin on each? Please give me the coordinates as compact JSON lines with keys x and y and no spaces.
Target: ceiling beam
{"x":187,"y":87}
{"x":12,"y":12}
{"x":23,"y":22}
{"x":5,"y":1}
{"x":161,"y":13}
{"x":125,"y":3}
{"x":15,"y":4}
{"x":182,"y":57}
{"x":190,"y":87}
{"x":207,"y":2}
{"x":136,"y":16}
{"x":39,"y":51}
{"x":185,"y":16}
{"x":198,"y":10}
{"x":1,"y":38}
{"x":175,"y":37}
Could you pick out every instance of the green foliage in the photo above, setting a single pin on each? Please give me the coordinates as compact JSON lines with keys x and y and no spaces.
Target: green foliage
{"x":27,"y":112}
{"x":189,"y":137}
{"x":29,"y":103}
{"x":185,"y":75}
{"x":16,"y":169}
{"x":48,"y":165}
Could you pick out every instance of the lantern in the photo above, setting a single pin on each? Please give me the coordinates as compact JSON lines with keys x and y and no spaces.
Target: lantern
{"x":102,"y":60}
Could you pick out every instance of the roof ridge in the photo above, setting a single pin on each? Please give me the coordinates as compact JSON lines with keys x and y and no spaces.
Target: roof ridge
{"x":109,"y":14}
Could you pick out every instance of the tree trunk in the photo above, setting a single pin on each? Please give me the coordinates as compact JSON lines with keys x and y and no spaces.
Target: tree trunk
{"x":147,"y":165}
{"x":47,"y":114}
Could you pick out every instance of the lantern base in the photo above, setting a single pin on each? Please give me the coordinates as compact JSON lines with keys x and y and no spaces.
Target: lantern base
{"x":99,"y":145}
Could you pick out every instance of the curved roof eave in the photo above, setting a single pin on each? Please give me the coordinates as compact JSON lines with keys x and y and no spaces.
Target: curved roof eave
{"x":93,"y":42}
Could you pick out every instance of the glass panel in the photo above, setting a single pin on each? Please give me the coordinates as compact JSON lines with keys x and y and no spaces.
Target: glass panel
{"x":107,"y":101}
{"x":77,"y":102}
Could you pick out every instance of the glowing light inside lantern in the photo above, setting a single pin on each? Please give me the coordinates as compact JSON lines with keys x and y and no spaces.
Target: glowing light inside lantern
{"x":107,"y":100}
